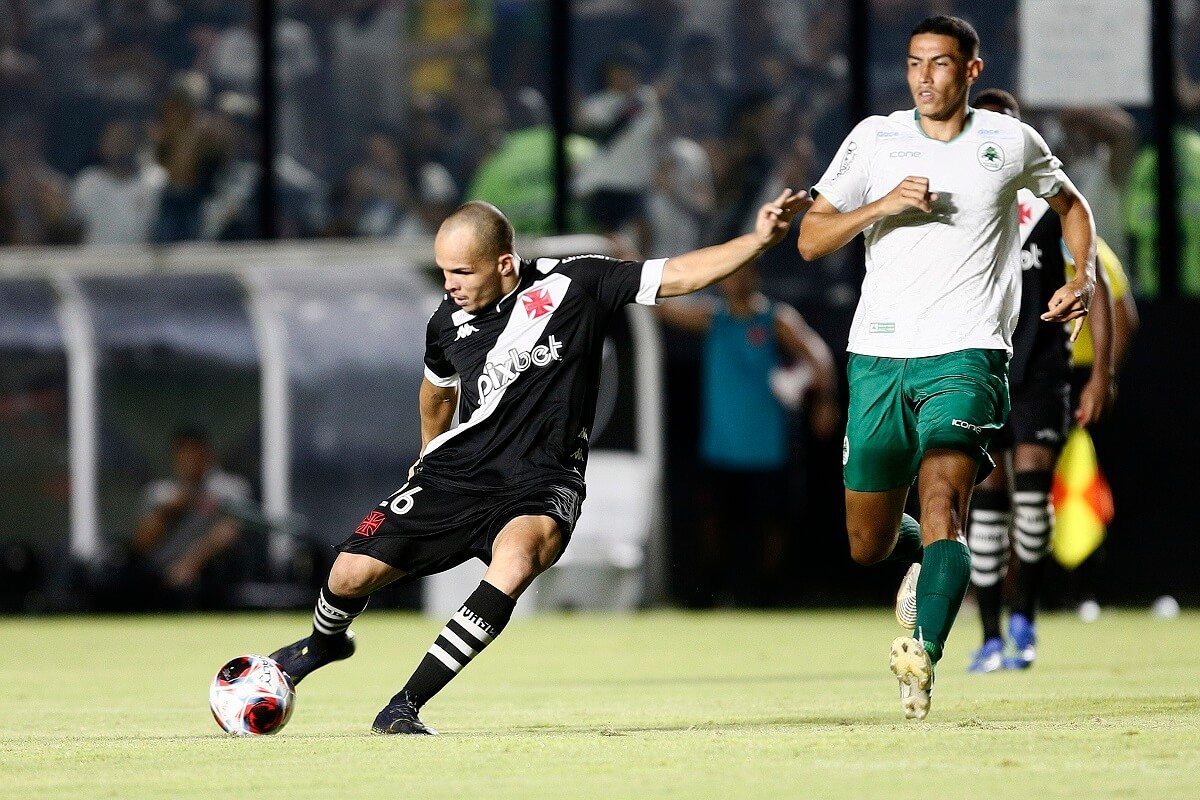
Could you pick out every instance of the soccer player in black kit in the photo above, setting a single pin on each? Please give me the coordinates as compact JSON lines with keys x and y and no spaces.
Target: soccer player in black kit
{"x":515,"y":346}
{"x":1037,"y":427}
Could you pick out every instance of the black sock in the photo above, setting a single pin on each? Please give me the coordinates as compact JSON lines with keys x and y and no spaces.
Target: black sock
{"x":1033,"y":522}
{"x":334,"y":613}
{"x":472,"y":628}
{"x":987,"y":535}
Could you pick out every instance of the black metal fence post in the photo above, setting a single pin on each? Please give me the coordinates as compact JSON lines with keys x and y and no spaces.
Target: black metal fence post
{"x":560,"y":105}
{"x":265,"y":25}
{"x":1166,"y":103}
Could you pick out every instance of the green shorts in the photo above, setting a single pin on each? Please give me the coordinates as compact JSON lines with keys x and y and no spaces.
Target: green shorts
{"x":902,"y":407}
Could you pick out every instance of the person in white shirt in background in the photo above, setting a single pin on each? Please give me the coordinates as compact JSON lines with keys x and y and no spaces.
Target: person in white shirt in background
{"x":625,"y":120}
{"x":117,"y":200}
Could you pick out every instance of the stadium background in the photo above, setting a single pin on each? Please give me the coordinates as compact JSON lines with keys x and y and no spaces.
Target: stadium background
{"x":378,"y":116}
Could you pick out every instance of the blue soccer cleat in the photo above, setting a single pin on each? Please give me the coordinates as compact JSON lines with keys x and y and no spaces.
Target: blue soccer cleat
{"x":989,"y":657}
{"x":1023,"y":633}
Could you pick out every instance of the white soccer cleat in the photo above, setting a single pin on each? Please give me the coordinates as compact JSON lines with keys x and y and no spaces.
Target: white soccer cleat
{"x":906,"y":598}
{"x":914,"y":669}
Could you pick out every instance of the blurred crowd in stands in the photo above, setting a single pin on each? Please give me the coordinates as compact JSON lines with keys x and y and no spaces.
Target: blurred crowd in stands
{"x":139,"y":121}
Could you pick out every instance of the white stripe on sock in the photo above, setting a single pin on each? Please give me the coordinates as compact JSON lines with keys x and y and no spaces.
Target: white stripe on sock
{"x":458,"y":642}
{"x":441,"y":655}
{"x":984,"y":579}
{"x":329,"y":611}
{"x":473,"y":627}
{"x":985,"y":563}
{"x":324,"y":627}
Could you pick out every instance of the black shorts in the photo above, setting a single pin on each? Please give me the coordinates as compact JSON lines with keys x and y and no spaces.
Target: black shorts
{"x":1041,"y":414}
{"x":424,"y":528}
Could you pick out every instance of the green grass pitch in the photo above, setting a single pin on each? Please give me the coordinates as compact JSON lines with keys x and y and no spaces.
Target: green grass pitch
{"x":720,"y":705}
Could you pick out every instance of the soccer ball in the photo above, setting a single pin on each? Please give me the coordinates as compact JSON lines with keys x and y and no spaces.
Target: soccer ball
{"x":251,"y":696}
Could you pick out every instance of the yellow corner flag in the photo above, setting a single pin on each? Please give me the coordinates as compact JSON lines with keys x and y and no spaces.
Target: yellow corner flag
{"x":1082,"y":500}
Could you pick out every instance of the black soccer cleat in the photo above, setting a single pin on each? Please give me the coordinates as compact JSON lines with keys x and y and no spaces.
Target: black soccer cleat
{"x":300,"y":658}
{"x":400,"y":716}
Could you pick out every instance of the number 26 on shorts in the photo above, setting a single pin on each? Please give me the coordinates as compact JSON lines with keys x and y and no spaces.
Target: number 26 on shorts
{"x":402,"y":500}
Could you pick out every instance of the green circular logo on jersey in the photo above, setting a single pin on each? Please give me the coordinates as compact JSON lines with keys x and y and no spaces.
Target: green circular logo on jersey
{"x":991,"y":156}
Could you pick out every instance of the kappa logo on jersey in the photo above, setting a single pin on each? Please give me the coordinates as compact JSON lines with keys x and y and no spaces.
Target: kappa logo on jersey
{"x":537,"y":302}
{"x":370,"y":524}
{"x":497,"y":376}
{"x":465,"y":330}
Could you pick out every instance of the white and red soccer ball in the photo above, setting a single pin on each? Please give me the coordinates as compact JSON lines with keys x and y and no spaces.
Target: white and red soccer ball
{"x":251,"y":696}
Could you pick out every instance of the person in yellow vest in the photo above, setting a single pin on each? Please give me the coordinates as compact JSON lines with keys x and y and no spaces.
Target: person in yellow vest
{"x":1082,"y":582}
{"x":1125,"y":318}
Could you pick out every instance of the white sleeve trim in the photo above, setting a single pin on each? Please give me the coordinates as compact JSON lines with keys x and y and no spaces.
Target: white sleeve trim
{"x":438,"y":380}
{"x":827,"y":191}
{"x":651,"y":282}
{"x":1058,"y":179}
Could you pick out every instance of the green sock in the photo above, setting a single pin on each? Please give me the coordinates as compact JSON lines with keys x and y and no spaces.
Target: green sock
{"x":945,"y":573}
{"x":908,"y":544}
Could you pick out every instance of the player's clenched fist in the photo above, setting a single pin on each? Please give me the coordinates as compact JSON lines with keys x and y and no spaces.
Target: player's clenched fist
{"x":912,"y":192}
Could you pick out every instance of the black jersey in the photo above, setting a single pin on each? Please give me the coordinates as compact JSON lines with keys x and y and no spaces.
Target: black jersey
{"x":1038,"y":346}
{"x":527,"y":369}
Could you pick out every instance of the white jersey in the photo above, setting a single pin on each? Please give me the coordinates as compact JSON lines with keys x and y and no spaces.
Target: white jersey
{"x":951,"y":279}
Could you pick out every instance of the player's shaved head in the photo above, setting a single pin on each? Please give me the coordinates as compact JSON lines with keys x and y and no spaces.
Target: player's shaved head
{"x":479,"y":231}
{"x":474,"y":250}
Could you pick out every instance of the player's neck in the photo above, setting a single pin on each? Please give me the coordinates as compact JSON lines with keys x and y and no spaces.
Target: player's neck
{"x":946,"y":129}
{"x":507,"y":284}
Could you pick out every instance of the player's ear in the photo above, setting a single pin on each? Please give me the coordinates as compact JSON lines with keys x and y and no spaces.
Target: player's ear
{"x":508,"y":264}
{"x":974,"y":68}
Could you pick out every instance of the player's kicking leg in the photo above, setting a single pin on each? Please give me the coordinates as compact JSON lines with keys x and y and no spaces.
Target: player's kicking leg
{"x":525,"y":548}
{"x":343,"y":597}
{"x":988,"y":537}
{"x":946,"y":480}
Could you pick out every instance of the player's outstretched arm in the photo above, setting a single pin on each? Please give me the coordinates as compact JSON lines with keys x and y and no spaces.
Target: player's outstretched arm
{"x":825,"y":230}
{"x":693,"y":271}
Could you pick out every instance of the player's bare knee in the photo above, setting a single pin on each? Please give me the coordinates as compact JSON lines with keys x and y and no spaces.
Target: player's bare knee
{"x":870,"y":545}
{"x":352,"y":578}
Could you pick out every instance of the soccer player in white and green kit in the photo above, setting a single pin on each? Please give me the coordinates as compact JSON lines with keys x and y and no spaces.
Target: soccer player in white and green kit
{"x":933,"y":188}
